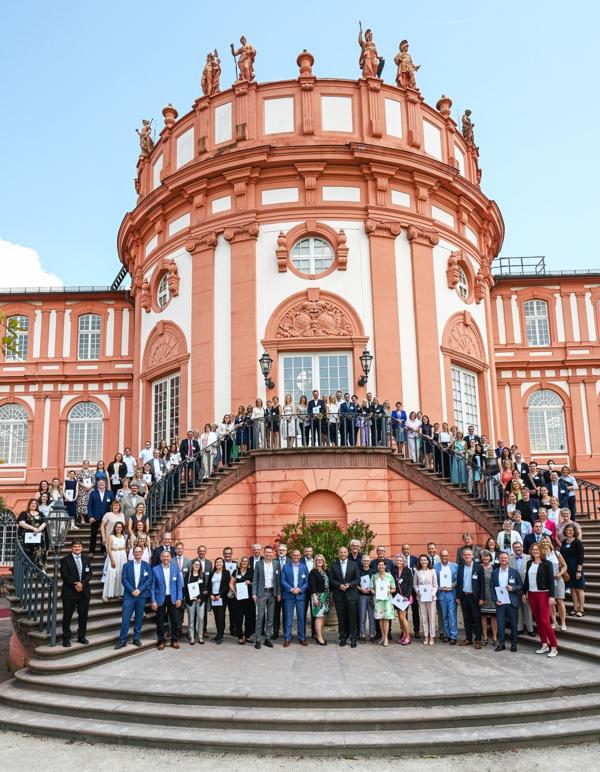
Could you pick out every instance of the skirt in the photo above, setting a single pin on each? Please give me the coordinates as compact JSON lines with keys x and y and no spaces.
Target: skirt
{"x":574,"y":583}
{"x":320,"y":608}
{"x":559,"y":588}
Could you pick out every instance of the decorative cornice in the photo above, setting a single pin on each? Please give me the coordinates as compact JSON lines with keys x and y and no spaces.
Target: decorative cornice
{"x":249,"y":230}
{"x":425,"y":236}
{"x":380,"y":228}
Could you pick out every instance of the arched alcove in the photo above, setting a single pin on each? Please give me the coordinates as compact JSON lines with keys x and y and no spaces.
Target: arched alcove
{"x":324,"y":505}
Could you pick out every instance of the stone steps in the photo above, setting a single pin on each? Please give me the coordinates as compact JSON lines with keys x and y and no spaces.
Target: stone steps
{"x":55,"y":660}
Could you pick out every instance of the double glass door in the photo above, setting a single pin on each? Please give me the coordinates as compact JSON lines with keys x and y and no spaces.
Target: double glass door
{"x":328,"y":372}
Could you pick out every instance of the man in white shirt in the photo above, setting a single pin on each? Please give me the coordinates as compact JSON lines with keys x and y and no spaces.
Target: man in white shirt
{"x":146,"y":453}
{"x":278,"y":611}
{"x":520,"y":561}
{"x":265,"y":588}
{"x":137,"y":581}
{"x":505,"y":577}
{"x":130,"y":463}
{"x":432,"y":555}
{"x":446,"y":576}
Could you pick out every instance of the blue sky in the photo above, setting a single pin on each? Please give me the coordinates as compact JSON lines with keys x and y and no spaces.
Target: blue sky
{"x":77,"y":77}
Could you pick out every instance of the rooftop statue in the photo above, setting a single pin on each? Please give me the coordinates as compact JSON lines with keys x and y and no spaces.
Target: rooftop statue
{"x":405,"y":76}
{"x":146,"y":141}
{"x":467,"y":129}
{"x":211,"y":75}
{"x":369,"y":61}
{"x":247,"y":55}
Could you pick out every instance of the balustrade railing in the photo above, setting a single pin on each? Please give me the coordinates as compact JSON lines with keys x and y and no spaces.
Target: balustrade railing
{"x":34,"y":589}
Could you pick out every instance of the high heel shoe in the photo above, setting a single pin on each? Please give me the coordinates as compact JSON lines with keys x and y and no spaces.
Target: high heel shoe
{"x":321,"y":643}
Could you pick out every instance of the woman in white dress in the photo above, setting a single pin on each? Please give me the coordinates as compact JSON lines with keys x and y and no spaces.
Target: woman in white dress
{"x":333,"y":410}
{"x":140,"y":539}
{"x":117,"y":557}
{"x":287,"y":426}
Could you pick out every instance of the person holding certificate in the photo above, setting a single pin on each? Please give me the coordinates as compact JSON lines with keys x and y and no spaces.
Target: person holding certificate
{"x":32,"y":533}
{"x":218,"y":587}
{"x":506,"y":587}
{"x":365,"y":602}
{"x":70,"y":494}
{"x":241,"y":585}
{"x":320,"y":597}
{"x":403,"y":575}
{"x":195,"y":592}
{"x":447,"y":573}
{"x":383,"y":587}
{"x":426,"y":589}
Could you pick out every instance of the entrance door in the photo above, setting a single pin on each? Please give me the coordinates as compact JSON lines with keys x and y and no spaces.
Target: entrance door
{"x":326,"y":371}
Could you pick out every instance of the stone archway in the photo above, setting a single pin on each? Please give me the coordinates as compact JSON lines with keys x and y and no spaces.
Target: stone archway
{"x":324,"y":505}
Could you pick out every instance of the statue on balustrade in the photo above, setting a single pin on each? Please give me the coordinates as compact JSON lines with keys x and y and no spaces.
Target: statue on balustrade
{"x":247,"y":55}
{"x":146,"y":141}
{"x":405,"y":75}
{"x":370,"y":63}
{"x":211,"y":75}
{"x":467,"y":129}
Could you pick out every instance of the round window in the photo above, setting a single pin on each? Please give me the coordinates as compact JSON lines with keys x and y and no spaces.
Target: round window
{"x":462,"y":286}
{"x":162,"y":293}
{"x":312,"y":255}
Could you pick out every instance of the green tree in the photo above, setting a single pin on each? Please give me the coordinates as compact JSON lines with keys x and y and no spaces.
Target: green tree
{"x":326,"y":536}
{"x":9,"y":327}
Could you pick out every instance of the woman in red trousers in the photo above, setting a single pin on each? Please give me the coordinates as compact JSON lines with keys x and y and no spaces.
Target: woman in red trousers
{"x":538,"y":589}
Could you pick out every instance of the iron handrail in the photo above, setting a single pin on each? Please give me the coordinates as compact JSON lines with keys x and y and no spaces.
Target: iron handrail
{"x":34,"y":589}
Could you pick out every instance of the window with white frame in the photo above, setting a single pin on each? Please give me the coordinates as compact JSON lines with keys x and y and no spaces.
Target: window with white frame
{"x":162,"y":293}
{"x":462,"y":285}
{"x":312,"y":255}
{"x":165,"y":409}
{"x":465,"y":399}
{"x":546,"y":421}
{"x":536,"y":323}
{"x":18,"y":352}
{"x":85,"y":433}
{"x":13,"y":434}
{"x":325,"y":371}
{"x":88,"y":341}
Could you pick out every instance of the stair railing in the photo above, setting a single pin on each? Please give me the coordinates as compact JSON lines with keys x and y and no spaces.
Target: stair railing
{"x":34,"y":589}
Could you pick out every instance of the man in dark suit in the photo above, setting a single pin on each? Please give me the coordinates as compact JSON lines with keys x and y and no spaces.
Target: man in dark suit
{"x":348,"y":411}
{"x":528,"y":507}
{"x":281,"y":559}
{"x":499,"y":449}
{"x":255,"y":558}
{"x":470,"y":593}
{"x":534,"y":537}
{"x":98,"y":505}
{"x":471,"y":438}
{"x":207,"y":567}
{"x":520,"y":465}
{"x":411,"y":562}
{"x":165,"y":544}
{"x":75,"y":573}
{"x":316,"y":408}
{"x":389,"y":563}
{"x":507,"y":577}
{"x":344,"y":581}
{"x":189,"y":450}
{"x":136,"y":578}
{"x":548,"y":473}
{"x":266,"y":586}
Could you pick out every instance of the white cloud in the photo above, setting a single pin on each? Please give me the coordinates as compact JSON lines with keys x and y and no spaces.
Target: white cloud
{"x":22,"y":267}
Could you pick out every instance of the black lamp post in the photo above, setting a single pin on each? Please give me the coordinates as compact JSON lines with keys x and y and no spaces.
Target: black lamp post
{"x":265,"y":363}
{"x":58,"y":528}
{"x":366,"y":359}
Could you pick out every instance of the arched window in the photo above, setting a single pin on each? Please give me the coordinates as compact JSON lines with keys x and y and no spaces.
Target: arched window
{"x":462,"y":285}
{"x":88,"y":343}
{"x":536,"y":323}
{"x":162,"y":292}
{"x":546,"y":421}
{"x":13,"y":434}
{"x":312,"y":255}
{"x":84,"y":433}
{"x":8,"y":537}
{"x":19,"y":350}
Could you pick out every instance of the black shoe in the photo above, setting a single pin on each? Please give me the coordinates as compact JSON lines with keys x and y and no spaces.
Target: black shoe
{"x":219,"y":641}
{"x":500,"y":647}
{"x":452,"y":641}
{"x":417,"y":634}
{"x":353,"y":643}
{"x":443,"y":638}
{"x":531,"y":634}
{"x":66,"y":644}
{"x":342,"y":642}
{"x":319,"y":643}
{"x":275,"y":636}
{"x":137,"y":642}
{"x":513,"y":648}
{"x":120,"y":645}
{"x":257,"y":645}
{"x":268,"y":644}
{"x":83,"y":641}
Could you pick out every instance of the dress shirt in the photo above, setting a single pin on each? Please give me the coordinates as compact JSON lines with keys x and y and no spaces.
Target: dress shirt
{"x":502,"y":577}
{"x":282,"y":561}
{"x":309,"y":564}
{"x":268,"y":568}
{"x":343,"y":565}
{"x":167,"y":575}
{"x":296,"y":570}
{"x":78,"y":565}
{"x":137,"y":570}
{"x":179,"y":560}
{"x":445,"y":576}
{"x":467,"y":578}
{"x":553,"y":490}
{"x":146,"y":454}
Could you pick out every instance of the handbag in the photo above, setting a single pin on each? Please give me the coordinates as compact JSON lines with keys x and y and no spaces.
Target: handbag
{"x":566,"y":577}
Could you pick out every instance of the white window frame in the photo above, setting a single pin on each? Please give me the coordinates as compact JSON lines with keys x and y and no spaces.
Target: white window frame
{"x":537,"y":325}
{"x":316,"y":373}
{"x":171,"y":418}
{"x":85,"y":433}
{"x":311,"y":255}
{"x":22,"y":339}
{"x":89,"y":339}
{"x":462,"y":285}
{"x":462,"y":418}
{"x":163,"y":294}
{"x":14,"y":434}
{"x":538,"y":428}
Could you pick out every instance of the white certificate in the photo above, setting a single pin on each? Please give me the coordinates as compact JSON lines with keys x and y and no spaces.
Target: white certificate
{"x":401,"y":603}
{"x":381,"y":589}
{"x":217,"y":602}
{"x":147,"y":478}
{"x":316,"y":410}
{"x":69,"y":494}
{"x":365,"y":582}
{"x":33,"y":538}
{"x":115,"y":479}
{"x":502,"y":595}
{"x":241,"y":590}
{"x":425,"y":593}
{"x":193,"y":590}
{"x":230,"y":566}
{"x":446,"y":576}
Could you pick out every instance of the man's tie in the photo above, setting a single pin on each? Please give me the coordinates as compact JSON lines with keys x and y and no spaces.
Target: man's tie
{"x":78,"y":564}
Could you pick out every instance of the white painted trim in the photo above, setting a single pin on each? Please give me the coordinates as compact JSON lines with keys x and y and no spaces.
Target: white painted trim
{"x":121,"y":421}
{"x":52,"y":334}
{"x":575,"y":317}
{"x":46,"y":433}
{"x":560,"y":321}
{"x":37,"y":334}
{"x":501,"y":321}
{"x":509,"y":415}
{"x":515,"y":318}
{"x":589,"y":312}
{"x":66,"y":352}
{"x":125,"y":332}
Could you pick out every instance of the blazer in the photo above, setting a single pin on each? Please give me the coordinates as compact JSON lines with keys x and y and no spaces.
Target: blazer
{"x":287,"y":580}
{"x":97,"y":507}
{"x":453,"y":572}
{"x":202,"y":580}
{"x":186,"y":563}
{"x":404,"y":581}
{"x":472,"y":440}
{"x":146,"y":579}
{"x":258,"y":580}
{"x":523,"y":470}
{"x":158,"y":589}
{"x":320,"y":403}
{"x":514,"y":536}
{"x":528,"y":510}
{"x":70,"y":576}
{"x":254,"y":561}
{"x":544,"y":578}
{"x":563,"y":492}
{"x":157,"y":552}
{"x":389,"y":565}
{"x":477,"y":582}
{"x":185,"y":451}
{"x":117,"y":467}
{"x":316,"y":582}
{"x":129,"y":502}
{"x":348,"y":409}
{"x":223,"y":587}
{"x":208,"y":567}
{"x":529,"y":540}
{"x":514,"y":579}
{"x":512,"y":562}
{"x":352,"y":578}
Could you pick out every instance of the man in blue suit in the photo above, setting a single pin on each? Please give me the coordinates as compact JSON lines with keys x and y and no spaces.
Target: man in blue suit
{"x":447,"y":574}
{"x":294,"y":583}
{"x":503,"y":576}
{"x":166,"y":595}
{"x":136,"y":578}
{"x":98,"y":505}
{"x":348,"y":412}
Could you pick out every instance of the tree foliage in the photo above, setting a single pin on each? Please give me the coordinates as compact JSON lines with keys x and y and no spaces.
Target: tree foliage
{"x":9,"y":327}
{"x":326,"y":536}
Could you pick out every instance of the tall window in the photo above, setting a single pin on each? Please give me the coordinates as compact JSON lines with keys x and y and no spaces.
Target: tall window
{"x":165,"y":409}
{"x":8,"y":537}
{"x":536,"y":323}
{"x":462,"y":285}
{"x":88,"y":344}
{"x":85,"y":433}
{"x":546,"y":419}
{"x":162,"y":293}
{"x":13,"y":434}
{"x":326,"y":372}
{"x":464,"y":397}
{"x":22,"y":339}
{"x":312,"y":255}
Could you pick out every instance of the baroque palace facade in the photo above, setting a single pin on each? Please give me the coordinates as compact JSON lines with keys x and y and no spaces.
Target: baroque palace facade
{"x":311,"y":219}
